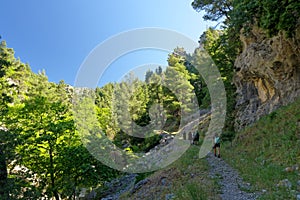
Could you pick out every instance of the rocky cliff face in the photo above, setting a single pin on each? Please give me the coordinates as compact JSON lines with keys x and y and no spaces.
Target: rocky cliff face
{"x":267,"y":75}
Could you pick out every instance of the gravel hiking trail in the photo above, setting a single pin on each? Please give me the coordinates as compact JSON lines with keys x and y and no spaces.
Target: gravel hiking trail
{"x":232,"y":186}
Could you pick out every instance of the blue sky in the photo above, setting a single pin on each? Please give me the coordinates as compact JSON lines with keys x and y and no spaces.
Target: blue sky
{"x":58,"y":35}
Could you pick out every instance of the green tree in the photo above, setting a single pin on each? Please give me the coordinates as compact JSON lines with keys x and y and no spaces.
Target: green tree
{"x":156,"y":105}
{"x":177,"y":79}
{"x":14,"y":77}
{"x":214,"y":9}
{"x":158,"y":70}
{"x":6,"y":56}
{"x":104,"y":97}
{"x":46,"y":127}
{"x":271,"y":16}
{"x":130,"y":109}
{"x":221,"y":52}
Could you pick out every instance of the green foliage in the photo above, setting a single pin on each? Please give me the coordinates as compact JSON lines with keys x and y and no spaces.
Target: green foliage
{"x":192,"y":74}
{"x":45,"y":128}
{"x":37,"y":128}
{"x":163,"y":105}
{"x":272,"y":16}
{"x":14,"y":77}
{"x":223,"y":53}
{"x":38,"y":135}
{"x":214,"y":9}
{"x":158,"y":103}
{"x":104,"y":109}
{"x":80,"y":169}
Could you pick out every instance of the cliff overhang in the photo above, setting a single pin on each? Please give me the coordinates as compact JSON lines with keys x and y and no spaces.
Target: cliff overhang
{"x":267,"y":74}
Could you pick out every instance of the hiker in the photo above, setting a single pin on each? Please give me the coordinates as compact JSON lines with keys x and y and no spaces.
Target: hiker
{"x":216,"y":145}
{"x":190,"y":137}
{"x":196,"y":138}
{"x":184,"y":135}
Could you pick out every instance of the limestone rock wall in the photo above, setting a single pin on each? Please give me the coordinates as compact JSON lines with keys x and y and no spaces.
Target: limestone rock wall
{"x":267,"y":75}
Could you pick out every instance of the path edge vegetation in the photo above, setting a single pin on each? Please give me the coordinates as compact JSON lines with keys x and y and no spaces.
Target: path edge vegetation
{"x":268,"y":152}
{"x":222,"y":45}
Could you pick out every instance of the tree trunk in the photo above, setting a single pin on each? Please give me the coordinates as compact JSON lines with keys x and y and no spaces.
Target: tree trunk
{"x":54,"y":190}
{"x":4,"y":194}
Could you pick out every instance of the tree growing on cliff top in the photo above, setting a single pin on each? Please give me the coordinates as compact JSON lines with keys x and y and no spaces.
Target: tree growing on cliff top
{"x":214,"y":9}
{"x":271,"y":15}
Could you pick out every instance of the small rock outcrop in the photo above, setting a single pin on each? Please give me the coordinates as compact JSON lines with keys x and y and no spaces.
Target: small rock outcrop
{"x":118,"y":186}
{"x":267,"y":75}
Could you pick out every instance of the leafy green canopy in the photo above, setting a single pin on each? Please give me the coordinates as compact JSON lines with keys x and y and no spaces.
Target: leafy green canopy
{"x":38,"y":135}
{"x":271,"y":15}
{"x":214,"y":9}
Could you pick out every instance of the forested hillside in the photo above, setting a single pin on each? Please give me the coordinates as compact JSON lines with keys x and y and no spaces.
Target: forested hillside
{"x":41,"y":153}
{"x":256,"y":50}
{"x":41,"y":150}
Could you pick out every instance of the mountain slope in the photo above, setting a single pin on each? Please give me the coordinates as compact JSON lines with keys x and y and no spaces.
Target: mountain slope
{"x":267,"y":154}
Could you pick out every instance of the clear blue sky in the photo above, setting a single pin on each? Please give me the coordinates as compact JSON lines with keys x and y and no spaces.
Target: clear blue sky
{"x":57,"y":35}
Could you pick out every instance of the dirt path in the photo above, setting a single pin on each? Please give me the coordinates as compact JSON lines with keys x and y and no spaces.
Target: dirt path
{"x":232,"y":185}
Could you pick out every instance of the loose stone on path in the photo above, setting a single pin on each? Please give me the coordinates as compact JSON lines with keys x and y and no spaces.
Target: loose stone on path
{"x":230,"y":181}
